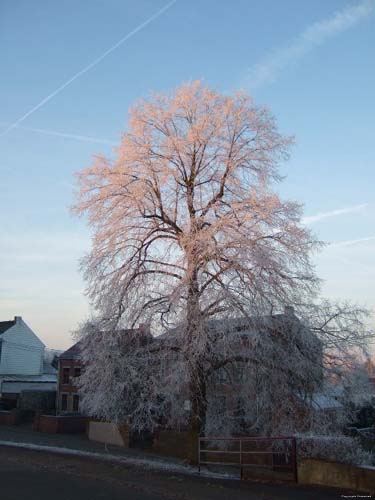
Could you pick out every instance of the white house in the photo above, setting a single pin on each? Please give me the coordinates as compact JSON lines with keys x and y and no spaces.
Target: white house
{"x":22,"y":364}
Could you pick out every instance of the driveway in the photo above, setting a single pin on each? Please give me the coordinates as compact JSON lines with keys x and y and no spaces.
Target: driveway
{"x":37,"y":475}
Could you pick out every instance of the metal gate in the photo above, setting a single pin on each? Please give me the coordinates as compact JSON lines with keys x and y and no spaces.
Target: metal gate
{"x":277,"y":455}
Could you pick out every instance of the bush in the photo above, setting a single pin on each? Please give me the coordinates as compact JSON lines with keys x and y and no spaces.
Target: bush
{"x":333,"y":448}
{"x":365,"y":416}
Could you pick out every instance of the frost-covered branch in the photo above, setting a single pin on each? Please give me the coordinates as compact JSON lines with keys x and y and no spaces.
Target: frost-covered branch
{"x":187,"y":229}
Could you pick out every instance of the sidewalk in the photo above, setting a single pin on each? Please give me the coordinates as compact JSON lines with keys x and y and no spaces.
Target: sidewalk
{"x":78,"y":444}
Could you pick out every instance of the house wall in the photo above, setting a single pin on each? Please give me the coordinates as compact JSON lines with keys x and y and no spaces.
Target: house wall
{"x":21,"y":351}
{"x":34,"y":400}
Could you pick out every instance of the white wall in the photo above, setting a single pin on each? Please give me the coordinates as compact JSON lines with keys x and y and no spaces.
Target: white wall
{"x":21,"y":351}
{"x":106,"y":432}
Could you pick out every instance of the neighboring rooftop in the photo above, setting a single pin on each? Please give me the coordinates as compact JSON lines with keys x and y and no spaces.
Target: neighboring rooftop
{"x":73,"y":352}
{"x":48,"y":368}
{"x":5,"y":325}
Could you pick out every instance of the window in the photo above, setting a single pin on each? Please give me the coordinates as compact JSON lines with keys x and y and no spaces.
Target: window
{"x":77,"y":371}
{"x":64,"y":402}
{"x":66,"y":375}
{"x":222,"y":376}
{"x":75,"y":402}
{"x":164,"y":366}
{"x":239,"y":411}
{"x":238,"y":374}
{"x":221,"y":404}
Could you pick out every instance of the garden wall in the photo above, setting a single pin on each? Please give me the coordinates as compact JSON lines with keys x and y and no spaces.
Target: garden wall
{"x":312,"y":471}
{"x":11,"y":417}
{"x":172,"y":443}
{"x":60,"y":424}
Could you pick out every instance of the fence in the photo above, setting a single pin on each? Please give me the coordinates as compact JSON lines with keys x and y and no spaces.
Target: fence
{"x":257,"y":453}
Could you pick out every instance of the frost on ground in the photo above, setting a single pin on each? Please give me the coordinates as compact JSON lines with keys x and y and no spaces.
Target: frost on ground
{"x":154,"y":464}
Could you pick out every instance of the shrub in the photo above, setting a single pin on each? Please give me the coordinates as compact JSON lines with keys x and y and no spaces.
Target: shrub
{"x":334,"y":448}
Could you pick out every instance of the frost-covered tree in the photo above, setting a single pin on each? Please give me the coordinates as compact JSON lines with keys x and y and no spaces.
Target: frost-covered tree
{"x":188,"y":227}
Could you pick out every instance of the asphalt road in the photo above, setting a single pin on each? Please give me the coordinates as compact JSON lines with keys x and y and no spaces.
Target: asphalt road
{"x":34,"y":475}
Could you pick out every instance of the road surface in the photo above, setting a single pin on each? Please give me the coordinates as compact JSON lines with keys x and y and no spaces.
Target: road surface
{"x":36,"y":475}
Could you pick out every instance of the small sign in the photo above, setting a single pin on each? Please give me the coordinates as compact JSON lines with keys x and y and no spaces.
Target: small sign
{"x":187,"y":405}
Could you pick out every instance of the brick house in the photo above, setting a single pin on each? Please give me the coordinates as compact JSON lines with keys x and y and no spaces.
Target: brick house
{"x":225,"y":383}
{"x":69,"y":368}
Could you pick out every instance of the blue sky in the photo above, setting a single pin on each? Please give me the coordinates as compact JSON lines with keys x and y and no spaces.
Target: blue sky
{"x":312,"y":63}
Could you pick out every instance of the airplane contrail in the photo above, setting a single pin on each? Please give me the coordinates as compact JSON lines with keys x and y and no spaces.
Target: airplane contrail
{"x":268,"y":70}
{"x":66,"y":135}
{"x":348,"y":243}
{"x":334,"y":213}
{"x":89,"y":66}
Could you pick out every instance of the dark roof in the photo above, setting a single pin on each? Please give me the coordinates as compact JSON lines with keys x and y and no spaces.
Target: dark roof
{"x":48,"y":368}
{"x":5,"y":325}
{"x":239,"y":324}
{"x":73,"y":352}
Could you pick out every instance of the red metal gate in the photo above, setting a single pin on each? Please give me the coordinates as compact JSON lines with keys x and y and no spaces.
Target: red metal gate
{"x":275,"y":454}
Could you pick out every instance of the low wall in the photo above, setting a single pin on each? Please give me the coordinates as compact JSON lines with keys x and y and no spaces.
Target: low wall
{"x":109,"y":433}
{"x":60,"y":424}
{"x":172,"y":443}
{"x":11,"y":417}
{"x":312,"y":471}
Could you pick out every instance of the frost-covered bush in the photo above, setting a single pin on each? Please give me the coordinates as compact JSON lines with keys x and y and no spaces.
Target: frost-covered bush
{"x":334,"y":448}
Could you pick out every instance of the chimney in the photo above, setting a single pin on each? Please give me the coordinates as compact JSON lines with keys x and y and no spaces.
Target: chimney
{"x":18,"y":319}
{"x":289,"y":311}
{"x":145,"y":329}
{"x":145,"y":333}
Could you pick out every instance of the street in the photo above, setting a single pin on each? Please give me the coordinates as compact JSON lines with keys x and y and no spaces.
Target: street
{"x":34,"y":475}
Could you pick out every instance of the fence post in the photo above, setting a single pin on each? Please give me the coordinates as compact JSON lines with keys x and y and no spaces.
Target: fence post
{"x":199,"y":455}
{"x":294,"y":453}
{"x":241,"y":468}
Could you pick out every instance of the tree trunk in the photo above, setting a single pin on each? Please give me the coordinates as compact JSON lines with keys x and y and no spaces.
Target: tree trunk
{"x":197,"y":385}
{"x":197,"y":421}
